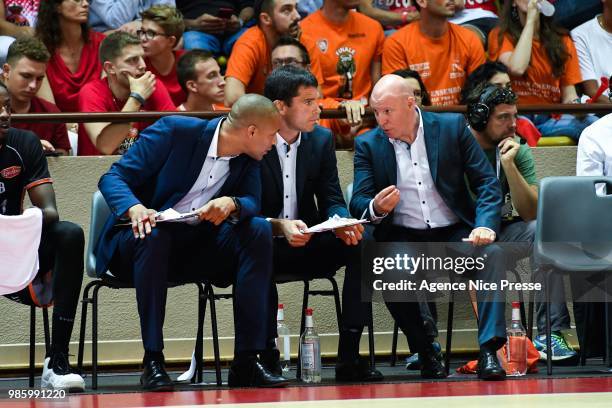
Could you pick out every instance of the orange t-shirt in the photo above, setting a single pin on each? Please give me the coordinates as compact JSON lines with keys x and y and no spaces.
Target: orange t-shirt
{"x":538,"y":85}
{"x":250,"y":61}
{"x":344,"y":52}
{"x":443,"y":63}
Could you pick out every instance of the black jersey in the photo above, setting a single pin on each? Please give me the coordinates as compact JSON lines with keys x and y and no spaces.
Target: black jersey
{"x":23,"y":165}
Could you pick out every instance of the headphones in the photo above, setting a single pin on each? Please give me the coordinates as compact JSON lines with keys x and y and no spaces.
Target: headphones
{"x":478,"y":113}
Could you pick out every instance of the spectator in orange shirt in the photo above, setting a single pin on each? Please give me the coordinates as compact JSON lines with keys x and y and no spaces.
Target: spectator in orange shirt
{"x":348,"y":46}
{"x":543,"y":64}
{"x":444,"y":54}
{"x":162,"y":28}
{"x":289,"y":51}
{"x":200,"y":77}
{"x":249,"y":64}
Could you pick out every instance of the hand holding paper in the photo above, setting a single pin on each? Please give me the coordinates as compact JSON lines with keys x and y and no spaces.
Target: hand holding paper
{"x":333,"y":223}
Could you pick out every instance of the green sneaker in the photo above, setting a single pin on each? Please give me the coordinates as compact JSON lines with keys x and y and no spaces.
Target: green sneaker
{"x":561,"y":350}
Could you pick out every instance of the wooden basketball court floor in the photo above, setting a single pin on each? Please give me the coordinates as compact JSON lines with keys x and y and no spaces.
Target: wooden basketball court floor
{"x":588,"y":387}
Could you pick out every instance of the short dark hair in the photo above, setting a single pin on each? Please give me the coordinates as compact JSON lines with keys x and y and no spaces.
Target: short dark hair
{"x":481,"y":75}
{"x":185,"y":68}
{"x":283,"y":84}
{"x":263,"y":6}
{"x":169,"y":19}
{"x":112,"y":46}
{"x":29,"y":47}
{"x":286,"y":40}
{"x":409,"y":73}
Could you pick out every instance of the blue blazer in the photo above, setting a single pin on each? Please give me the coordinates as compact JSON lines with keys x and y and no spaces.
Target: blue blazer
{"x":160,"y":169}
{"x":316,"y":177}
{"x":452,"y":152}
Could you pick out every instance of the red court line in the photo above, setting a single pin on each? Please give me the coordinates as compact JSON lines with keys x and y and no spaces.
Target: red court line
{"x":369,"y":391}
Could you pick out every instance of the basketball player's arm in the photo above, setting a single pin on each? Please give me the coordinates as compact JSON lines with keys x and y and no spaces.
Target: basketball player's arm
{"x":43,"y":197}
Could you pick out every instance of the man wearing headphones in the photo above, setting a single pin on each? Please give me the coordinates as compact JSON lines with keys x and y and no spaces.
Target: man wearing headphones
{"x":491,"y":113}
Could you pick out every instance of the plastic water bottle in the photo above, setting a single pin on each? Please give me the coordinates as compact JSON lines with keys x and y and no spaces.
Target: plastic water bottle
{"x":517,"y":344}
{"x":310,"y":352}
{"x":283,"y":341}
{"x":546,"y":8}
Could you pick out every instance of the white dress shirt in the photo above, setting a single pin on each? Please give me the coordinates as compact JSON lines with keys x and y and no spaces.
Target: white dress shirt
{"x":594,"y":157}
{"x":215,"y":171}
{"x":420,"y":205}
{"x":287,"y":155}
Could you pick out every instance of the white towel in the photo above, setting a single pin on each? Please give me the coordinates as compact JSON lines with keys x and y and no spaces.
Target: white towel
{"x":19,"y":241}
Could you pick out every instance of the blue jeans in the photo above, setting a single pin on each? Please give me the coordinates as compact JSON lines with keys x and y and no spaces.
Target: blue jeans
{"x":218,"y":44}
{"x":568,"y":125}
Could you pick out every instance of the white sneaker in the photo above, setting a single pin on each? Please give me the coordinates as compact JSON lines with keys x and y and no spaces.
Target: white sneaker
{"x":63,"y":379}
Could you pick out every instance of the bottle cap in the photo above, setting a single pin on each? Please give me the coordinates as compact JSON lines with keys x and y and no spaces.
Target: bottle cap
{"x":281,"y":306}
{"x":516,"y":305}
{"x":309,"y":312}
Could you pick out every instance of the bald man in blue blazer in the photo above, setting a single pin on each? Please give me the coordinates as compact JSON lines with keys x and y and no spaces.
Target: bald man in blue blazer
{"x":410,"y":181}
{"x":210,"y":168}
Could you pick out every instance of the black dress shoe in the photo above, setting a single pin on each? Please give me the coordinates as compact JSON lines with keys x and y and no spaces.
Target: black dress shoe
{"x":431,"y":367}
{"x":155,"y":378}
{"x":489,"y":367}
{"x":357,"y":370}
{"x":251,"y":373}
{"x":270,"y":359}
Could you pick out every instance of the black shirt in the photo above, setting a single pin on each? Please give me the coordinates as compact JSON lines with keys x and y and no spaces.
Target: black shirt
{"x":23,"y":165}
{"x":193,"y":9}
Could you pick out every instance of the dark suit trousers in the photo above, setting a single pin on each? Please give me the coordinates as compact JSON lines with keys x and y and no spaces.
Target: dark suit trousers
{"x":320,"y":258}
{"x":240,"y":254}
{"x":491,"y":322}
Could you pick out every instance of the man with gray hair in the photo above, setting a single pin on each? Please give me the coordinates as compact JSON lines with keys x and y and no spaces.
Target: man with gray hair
{"x":208,"y":168}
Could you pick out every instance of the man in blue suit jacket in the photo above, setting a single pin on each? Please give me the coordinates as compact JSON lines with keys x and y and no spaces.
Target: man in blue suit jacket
{"x":211,"y":168}
{"x":301,"y":188}
{"x":410,"y":182}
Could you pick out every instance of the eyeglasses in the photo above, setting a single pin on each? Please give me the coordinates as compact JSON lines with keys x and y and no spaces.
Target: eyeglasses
{"x":149,"y":34}
{"x":278,"y":62}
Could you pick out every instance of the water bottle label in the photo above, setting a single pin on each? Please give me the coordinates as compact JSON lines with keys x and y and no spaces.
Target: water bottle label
{"x":308,"y":356}
{"x":287,"y":348}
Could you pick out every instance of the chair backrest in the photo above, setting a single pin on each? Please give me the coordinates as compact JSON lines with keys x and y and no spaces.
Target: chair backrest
{"x":569,"y":210}
{"x":99,"y":214}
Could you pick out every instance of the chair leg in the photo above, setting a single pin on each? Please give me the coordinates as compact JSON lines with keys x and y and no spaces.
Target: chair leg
{"x":215,"y":334}
{"x":298,"y":374}
{"x":86,"y":300}
{"x":32,"y":344}
{"x":548,"y":325}
{"x":585,"y":338}
{"x":337,"y":301}
{"x":199,"y":347}
{"x":530,"y":311}
{"x":371,"y":338}
{"x":394,"y":344}
{"x":449,"y":332}
{"x":45,"y":312}
{"x":94,"y":338}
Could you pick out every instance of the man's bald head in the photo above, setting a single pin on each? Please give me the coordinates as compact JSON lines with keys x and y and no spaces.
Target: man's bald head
{"x":394,"y":106}
{"x":251,"y":109}
{"x":256,"y":119}
{"x":391,"y":86}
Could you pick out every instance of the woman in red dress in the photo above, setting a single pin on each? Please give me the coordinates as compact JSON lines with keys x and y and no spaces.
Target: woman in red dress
{"x":62,"y":27}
